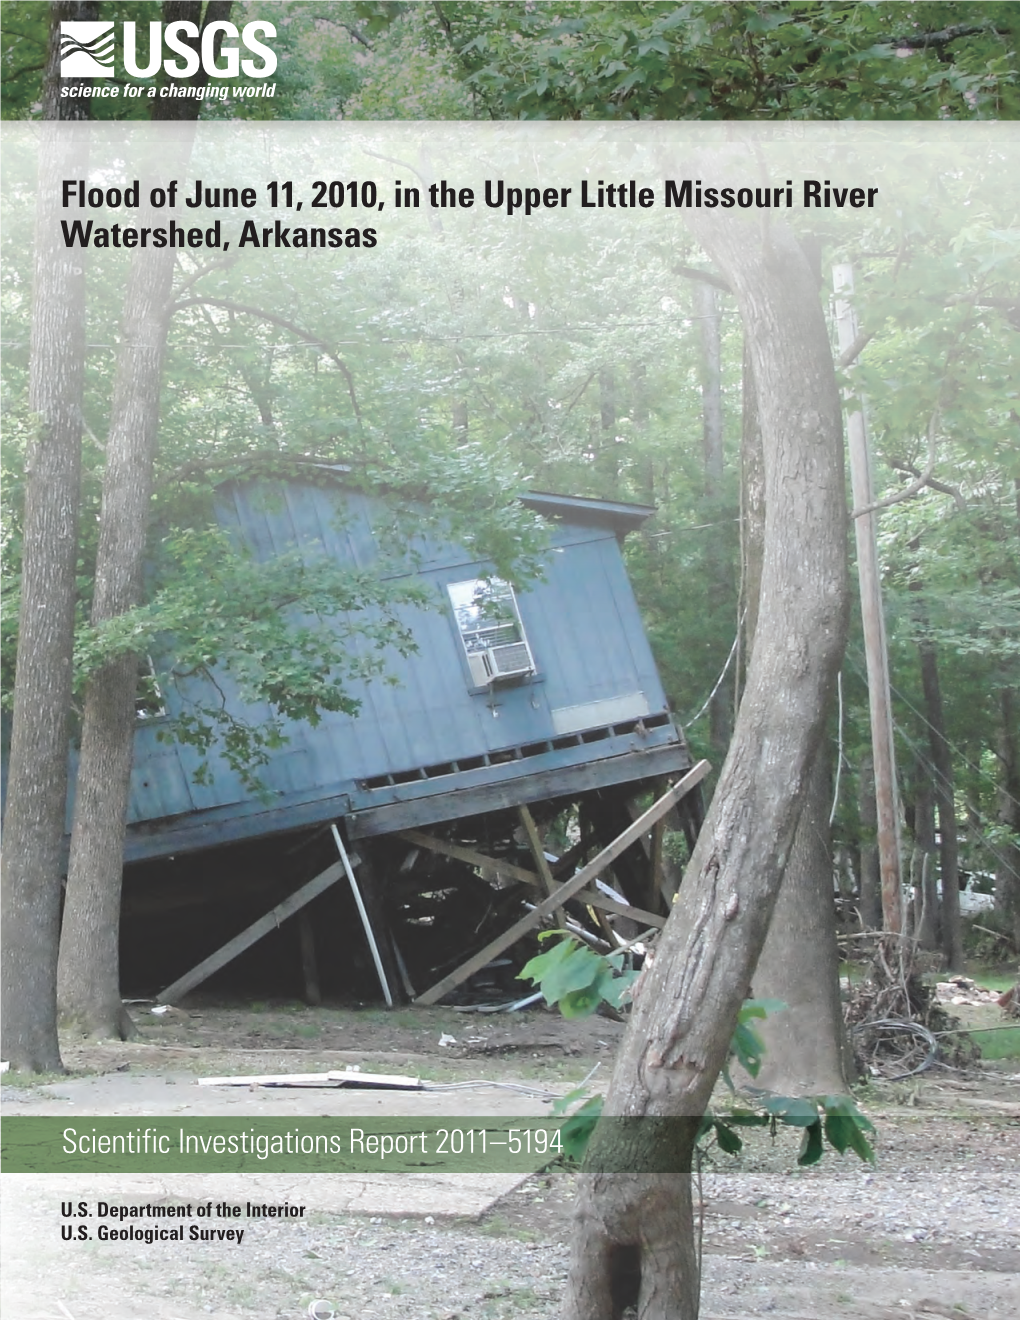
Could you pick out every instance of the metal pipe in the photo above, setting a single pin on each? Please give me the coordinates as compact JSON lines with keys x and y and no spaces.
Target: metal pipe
{"x":369,"y":933}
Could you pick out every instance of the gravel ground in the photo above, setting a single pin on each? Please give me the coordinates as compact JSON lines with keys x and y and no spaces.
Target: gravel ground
{"x":931,"y":1230}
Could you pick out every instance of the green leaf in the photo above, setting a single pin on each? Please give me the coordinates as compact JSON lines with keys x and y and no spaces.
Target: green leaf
{"x":811,"y":1146}
{"x":727,"y":1138}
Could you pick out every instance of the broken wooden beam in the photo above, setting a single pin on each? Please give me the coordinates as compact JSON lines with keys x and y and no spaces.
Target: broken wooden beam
{"x":538,"y":853}
{"x":569,"y":887}
{"x":461,"y":854}
{"x":229,"y":951}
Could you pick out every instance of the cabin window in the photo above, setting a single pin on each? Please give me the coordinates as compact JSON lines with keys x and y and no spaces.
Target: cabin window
{"x":489,"y":623}
{"x":148,"y":694}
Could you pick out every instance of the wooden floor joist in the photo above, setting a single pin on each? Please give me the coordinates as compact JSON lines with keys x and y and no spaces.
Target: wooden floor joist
{"x":569,"y":888}
{"x":419,"y":839}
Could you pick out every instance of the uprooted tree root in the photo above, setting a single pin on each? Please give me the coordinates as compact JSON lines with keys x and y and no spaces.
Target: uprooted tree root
{"x":897,"y":1024}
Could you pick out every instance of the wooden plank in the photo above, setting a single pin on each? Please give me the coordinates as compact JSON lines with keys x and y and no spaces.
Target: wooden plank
{"x":656,"y":873}
{"x":309,"y":962}
{"x":516,"y":781}
{"x":371,"y":1081}
{"x":538,"y":853}
{"x":423,"y":805}
{"x":569,"y":887}
{"x":596,"y":900}
{"x":254,"y":932}
{"x":461,"y":854}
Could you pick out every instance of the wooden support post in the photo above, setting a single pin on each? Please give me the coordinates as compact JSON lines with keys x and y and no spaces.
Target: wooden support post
{"x":309,"y":962}
{"x":254,"y":932}
{"x":363,"y":914}
{"x":656,"y":874}
{"x":569,"y":888}
{"x":538,"y":853}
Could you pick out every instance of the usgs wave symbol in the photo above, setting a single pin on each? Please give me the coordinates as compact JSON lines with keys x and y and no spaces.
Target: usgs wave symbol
{"x":86,"y":50}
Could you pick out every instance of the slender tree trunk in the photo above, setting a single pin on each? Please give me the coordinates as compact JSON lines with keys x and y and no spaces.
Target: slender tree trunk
{"x":88,"y":974}
{"x":37,"y":778}
{"x":634,"y":1235}
{"x":945,"y":801}
{"x":922,"y":871}
{"x":867,"y":819}
{"x":607,"y":460}
{"x":1007,"y":871}
{"x":718,"y":566}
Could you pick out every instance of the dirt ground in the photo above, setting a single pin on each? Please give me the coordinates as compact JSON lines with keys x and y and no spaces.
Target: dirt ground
{"x":933,"y":1229}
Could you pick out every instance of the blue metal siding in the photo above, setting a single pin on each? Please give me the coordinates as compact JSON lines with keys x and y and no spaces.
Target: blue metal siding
{"x":582,"y":624}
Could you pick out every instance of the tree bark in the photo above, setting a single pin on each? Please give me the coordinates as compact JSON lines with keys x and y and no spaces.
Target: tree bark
{"x":718,"y":565}
{"x":1007,"y":870}
{"x":37,"y":778}
{"x":867,"y":820}
{"x":633,"y":1235}
{"x":945,"y":802}
{"x":88,"y":973}
{"x":799,"y":964}
{"x":800,"y":961}
{"x":922,"y":871}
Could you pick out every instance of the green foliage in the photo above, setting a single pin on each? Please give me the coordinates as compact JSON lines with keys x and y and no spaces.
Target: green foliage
{"x":577,"y":979}
{"x":648,"y":59}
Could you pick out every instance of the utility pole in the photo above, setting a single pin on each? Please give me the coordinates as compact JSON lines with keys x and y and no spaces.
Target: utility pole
{"x":876,"y":651}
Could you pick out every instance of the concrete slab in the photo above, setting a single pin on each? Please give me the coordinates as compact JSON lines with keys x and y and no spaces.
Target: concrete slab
{"x":178,"y":1094}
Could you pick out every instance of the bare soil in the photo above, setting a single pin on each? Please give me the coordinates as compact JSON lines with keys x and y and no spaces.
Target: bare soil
{"x":931,"y":1230}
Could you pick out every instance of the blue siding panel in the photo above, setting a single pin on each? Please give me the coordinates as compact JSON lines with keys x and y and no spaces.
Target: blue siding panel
{"x":582,"y":624}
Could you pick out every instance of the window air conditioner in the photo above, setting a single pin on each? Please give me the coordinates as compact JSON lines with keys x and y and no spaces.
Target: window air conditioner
{"x":509,"y":661}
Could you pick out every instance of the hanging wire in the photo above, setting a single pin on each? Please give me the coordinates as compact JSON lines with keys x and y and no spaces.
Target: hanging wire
{"x":719,"y":681}
{"x":839,"y":748}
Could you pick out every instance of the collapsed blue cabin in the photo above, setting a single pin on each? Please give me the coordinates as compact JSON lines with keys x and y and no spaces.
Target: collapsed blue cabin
{"x":521,"y":717}
{"x":510,"y":697}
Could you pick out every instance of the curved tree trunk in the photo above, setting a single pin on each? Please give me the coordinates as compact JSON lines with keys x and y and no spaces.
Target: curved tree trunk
{"x":634,"y":1235}
{"x":37,"y":778}
{"x":799,"y":965}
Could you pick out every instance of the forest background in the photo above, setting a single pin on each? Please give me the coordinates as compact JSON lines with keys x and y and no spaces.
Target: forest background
{"x":613,"y":371}
{"x":469,"y":366}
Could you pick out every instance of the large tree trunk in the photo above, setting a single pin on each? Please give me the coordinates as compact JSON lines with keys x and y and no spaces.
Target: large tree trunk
{"x":800,"y":961}
{"x":799,"y":964}
{"x":88,"y":974}
{"x":634,"y":1235}
{"x":88,"y":987}
{"x":37,"y":778}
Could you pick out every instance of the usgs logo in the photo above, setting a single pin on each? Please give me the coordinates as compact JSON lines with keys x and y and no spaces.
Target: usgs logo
{"x":87,"y":50}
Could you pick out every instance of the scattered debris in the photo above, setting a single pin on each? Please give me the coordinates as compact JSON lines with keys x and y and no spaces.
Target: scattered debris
{"x":445,"y":1039}
{"x":350,"y":1077}
{"x":898,"y":1024}
{"x":962,"y":990}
